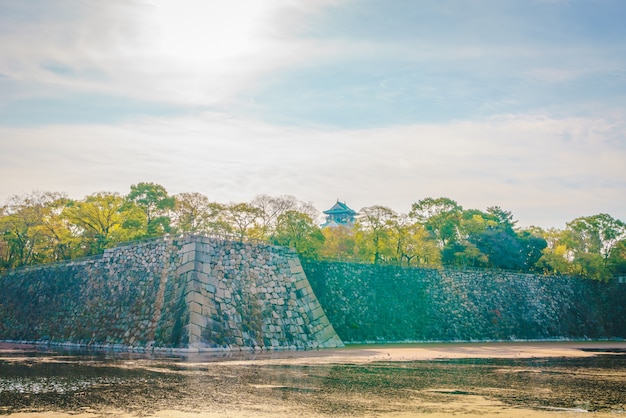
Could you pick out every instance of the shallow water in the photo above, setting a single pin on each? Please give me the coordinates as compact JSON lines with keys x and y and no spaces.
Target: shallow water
{"x":115,"y":384}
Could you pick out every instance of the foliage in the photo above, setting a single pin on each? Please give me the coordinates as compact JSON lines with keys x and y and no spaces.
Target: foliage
{"x":33,"y":230}
{"x":616,"y":261}
{"x":296,"y":229}
{"x":48,"y":226}
{"x":155,"y":204}
{"x":440,"y":216}
{"x":97,"y":221}
{"x":339,"y":243}
{"x":375,"y":226}
{"x":413,"y":244}
{"x":242,"y":220}
{"x":270,"y":210}
{"x":195,"y":213}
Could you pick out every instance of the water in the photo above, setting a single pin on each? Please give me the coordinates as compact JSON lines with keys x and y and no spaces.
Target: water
{"x":289,"y":384}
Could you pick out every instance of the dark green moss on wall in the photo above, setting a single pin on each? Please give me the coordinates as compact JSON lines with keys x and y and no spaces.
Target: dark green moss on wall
{"x":389,"y":303}
{"x":193,"y":290}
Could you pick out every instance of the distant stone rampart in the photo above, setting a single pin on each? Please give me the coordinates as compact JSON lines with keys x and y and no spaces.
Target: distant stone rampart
{"x":202,"y":293}
{"x":367,"y":302}
{"x":186,"y":293}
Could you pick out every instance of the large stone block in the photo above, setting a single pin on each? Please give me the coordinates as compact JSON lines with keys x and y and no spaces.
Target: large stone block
{"x":197,"y":297}
{"x":198,"y":319}
{"x":184,"y":268}
{"x":189,"y":247}
{"x":296,"y":268}
{"x":194,"y":333}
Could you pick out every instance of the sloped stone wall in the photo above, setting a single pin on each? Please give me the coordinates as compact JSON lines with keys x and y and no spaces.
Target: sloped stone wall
{"x":245,"y":295}
{"x":388,"y":303}
{"x":188,"y":292}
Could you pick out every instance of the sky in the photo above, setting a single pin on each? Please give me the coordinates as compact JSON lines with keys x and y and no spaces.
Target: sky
{"x":513,"y":103}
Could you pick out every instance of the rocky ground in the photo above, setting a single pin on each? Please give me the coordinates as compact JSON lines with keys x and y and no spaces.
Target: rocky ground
{"x":436,"y":380}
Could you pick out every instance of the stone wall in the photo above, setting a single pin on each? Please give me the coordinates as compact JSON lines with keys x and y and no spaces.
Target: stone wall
{"x":389,"y":303}
{"x":188,"y":292}
{"x":202,"y":293}
{"x":246,"y":295}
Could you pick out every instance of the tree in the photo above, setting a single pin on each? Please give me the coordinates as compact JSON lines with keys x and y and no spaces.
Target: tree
{"x":463,"y":254}
{"x":555,"y":258}
{"x":271,"y":208}
{"x":241,"y":218}
{"x":377,"y":223}
{"x":99,"y":218}
{"x":503,"y":218}
{"x":617,"y":259}
{"x":414,"y":245}
{"x":590,"y":241}
{"x":155,"y":204}
{"x":502,"y":249}
{"x":339,"y":243}
{"x":296,"y":229}
{"x":532,"y":245}
{"x":489,"y":239}
{"x":596,"y":234}
{"x":194,"y":213}
{"x":59,"y":240}
{"x":17,"y":226}
{"x":440,"y":216}
{"x":584,"y":248}
{"x":32,"y":229}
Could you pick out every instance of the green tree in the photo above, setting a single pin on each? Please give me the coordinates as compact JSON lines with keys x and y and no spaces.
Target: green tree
{"x":33,"y":231}
{"x":590,"y":241}
{"x":596,"y":234}
{"x":502,"y":249}
{"x":99,"y":218}
{"x":376,"y":224}
{"x":464,"y":252}
{"x":414,"y":245}
{"x":533,"y":245}
{"x":502,"y":218}
{"x":489,"y":239}
{"x":339,"y":243}
{"x":440,"y":216}
{"x":296,"y":229}
{"x":155,"y":204}
{"x":617,"y":259}
{"x":556,"y":257}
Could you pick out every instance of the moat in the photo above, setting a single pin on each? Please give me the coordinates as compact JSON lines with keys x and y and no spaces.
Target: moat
{"x":504,"y":379}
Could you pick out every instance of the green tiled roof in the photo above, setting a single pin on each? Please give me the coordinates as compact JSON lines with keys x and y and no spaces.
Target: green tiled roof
{"x":339,"y":207}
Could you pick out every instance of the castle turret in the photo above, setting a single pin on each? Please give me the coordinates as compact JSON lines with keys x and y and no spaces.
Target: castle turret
{"x":339,"y":215}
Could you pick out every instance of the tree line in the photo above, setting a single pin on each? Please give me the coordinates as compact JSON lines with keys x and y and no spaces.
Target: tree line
{"x":46,"y":227}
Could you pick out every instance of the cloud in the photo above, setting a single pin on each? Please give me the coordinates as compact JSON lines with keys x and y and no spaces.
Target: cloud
{"x":187,"y":52}
{"x":336,"y":63}
{"x":546,"y":171}
{"x":370,"y":102}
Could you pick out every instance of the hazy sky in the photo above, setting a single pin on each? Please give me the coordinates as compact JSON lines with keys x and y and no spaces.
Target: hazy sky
{"x":520,"y":104}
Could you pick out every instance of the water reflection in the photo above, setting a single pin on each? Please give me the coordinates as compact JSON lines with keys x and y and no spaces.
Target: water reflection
{"x":140,"y":385}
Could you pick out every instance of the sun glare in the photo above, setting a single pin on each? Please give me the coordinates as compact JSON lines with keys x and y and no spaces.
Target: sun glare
{"x":199,"y":31}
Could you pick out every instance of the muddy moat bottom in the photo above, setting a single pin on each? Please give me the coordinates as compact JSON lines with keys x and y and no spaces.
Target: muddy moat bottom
{"x":506,"y":380}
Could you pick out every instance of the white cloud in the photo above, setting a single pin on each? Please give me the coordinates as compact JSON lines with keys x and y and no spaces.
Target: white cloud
{"x":186,"y":52}
{"x":545,"y":171}
{"x":203,"y":55}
